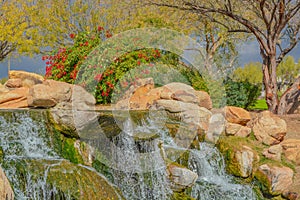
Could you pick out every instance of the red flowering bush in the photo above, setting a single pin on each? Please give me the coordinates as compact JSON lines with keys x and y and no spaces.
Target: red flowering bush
{"x":63,"y":64}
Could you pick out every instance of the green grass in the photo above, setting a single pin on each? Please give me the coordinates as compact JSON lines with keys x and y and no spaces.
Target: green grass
{"x":260,"y":105}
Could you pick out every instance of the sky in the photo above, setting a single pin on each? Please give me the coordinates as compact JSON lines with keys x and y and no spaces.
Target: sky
{"x":248,"y":52}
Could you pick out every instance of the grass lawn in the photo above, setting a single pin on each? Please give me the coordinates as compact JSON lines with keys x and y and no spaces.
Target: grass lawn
{"x":260,"y":105}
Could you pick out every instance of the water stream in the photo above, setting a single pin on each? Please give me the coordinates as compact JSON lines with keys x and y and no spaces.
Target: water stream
{"x":137,"y":166}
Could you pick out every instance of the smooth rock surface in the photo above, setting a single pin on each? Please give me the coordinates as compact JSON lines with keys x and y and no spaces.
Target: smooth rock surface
{"x":14,"y":83}
{"x":276,"y":180}
{"x":291,"y":150}
{"x":237,"y":115}
{"x":181,"y":177}
{"x":269,"y":128}
{"x":49,"y":93}
{"x":15,"y":98}
{"x":237,"y":130}
{"x":273,"y":152}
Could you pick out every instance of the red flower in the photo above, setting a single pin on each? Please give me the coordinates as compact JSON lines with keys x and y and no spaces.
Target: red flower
{"x":100,"y":28}
{"x":86,"y":43}
{"x":138,"y":62}
{"x":72,"y":35}
{"x":98,"y":77}
{"x":140,"y":55}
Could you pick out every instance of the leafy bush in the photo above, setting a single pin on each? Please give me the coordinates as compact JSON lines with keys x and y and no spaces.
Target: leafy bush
{"x":241,"y":94}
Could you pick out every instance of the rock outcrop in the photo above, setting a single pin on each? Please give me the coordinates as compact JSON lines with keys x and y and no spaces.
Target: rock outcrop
{"x":143,"y":95}
{"x":180,"y":177}
{"x":269,"y":128}
{"x":291,"y":150}
{"x":27,"y":79}
{"x":276,"y":180}
{"x":14,"y":99}
{"x":237,"y":115}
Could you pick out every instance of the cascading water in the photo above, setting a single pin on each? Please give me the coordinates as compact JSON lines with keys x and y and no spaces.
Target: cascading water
{"x":23,"y":139}
{"x":138,"y":168}
{"x":213,"y":182}
{"x":136,"y":161}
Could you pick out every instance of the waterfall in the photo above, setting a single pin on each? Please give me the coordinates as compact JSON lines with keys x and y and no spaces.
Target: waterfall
{"x":139,"y":170}
{"x":22,"y":139}
{"x":136,"y":161}
{"x":213,"y":182}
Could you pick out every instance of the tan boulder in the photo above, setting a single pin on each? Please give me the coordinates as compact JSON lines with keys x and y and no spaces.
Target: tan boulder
{"x":13,"y":83}
{"x":187,"y":112}
{"x":204,"y":99}
{"x":15,"y":98}
{"x":180,"y":177}
{"x":28,"y":79}
{"x":137,"y":97}
{"x":141,"y":86}
{"x":143,"y":101}
{"x":245,"y":160}
{"x":237,"y":130}
{"x":49,"y":94}
{"x":291,"y":150}
{"x":269,"y":128}
{"x":237,"y":115}
{"x":71,"y":115}
{"x":6,"y":192}
{"x":274,"y":179}
{"x":273,"y":152}
{"x":178,"y":91}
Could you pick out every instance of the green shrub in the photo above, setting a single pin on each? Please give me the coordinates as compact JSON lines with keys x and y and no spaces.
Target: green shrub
{"x":241,"y":94}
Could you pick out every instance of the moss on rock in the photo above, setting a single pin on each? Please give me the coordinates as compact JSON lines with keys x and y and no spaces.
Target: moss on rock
{"x":65,"y":147}
{"x":68,"y":179}
{"x":181,"y":196}
{"x":229,"y":146}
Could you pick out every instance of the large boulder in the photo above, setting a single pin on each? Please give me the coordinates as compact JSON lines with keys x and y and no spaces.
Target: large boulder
{"x":180,"y":177}
{"x":185,"y":93}
{"x":6,"y":191}
{"x":27,"y":79}
{"x":237,"y":115}
{"x":237,"y":130}
{"x":187,"y":112}
{"x":49,"y":93}
{"x":269,"y":128}
{"x":15,"y":98}
{"x":291,"y":150}
{"x":75,"y":113}
{"x":204,"y":99}
{"x":14,"y":83}
{"x":273,"y":152}
{"x":137,"y":97}
{"x":240,"y":155}
{"x":275,"y":179}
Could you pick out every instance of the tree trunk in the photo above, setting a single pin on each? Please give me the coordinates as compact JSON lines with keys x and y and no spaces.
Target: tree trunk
{"x":290,"y":100}
{"x":270,"y":82}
